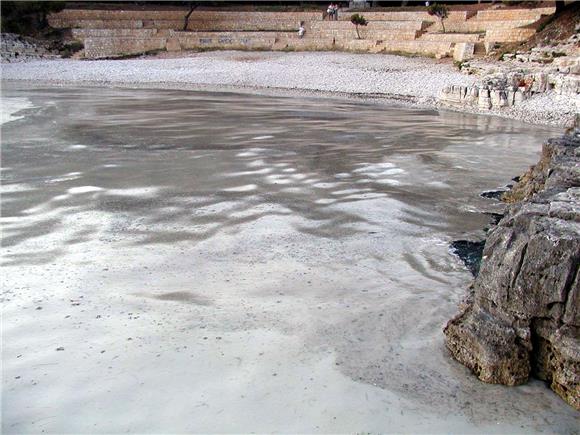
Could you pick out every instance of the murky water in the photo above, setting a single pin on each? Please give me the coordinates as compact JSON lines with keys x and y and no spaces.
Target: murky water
{"x":179,"y":261}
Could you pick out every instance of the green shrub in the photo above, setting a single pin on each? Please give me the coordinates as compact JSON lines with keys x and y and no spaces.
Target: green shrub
{"x":71,"y":48}
{"x":439,"y":11}
{"x":358,"y":20}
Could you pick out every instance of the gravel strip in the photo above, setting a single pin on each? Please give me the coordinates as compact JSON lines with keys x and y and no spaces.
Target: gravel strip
{"x":412,"y":81}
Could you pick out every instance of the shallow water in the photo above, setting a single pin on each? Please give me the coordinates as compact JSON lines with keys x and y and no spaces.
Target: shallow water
{"x":180,"y":261}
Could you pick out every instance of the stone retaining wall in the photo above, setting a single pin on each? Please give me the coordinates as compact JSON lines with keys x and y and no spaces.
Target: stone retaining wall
{"x":413,"y":32}
{"x":365,"y":33}
{"x":474,"y":26}
{"x":102,"y":14}
{"x":509,"y":35}
{"x":112,"y":33}
{"x":382,"y":25}
{"x":514,"y":14}
{"x":408,"y":16}
{"x":426,"y":48}
{"x":120,"y":46}
{"x":59,"y":23}
{"x":242,"y":40}
{"x":451,"y":37}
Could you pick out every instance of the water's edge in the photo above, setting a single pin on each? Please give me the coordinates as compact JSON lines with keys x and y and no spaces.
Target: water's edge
{"x":392,"y":100}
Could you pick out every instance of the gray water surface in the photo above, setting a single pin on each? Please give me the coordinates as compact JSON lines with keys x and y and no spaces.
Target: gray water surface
{"x":205,"y":262}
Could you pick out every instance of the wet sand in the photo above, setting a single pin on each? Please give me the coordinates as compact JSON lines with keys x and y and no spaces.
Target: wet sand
{"x":208,"y":262}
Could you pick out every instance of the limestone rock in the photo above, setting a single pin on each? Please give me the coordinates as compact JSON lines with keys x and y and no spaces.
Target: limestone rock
{"x":523,"y":317}
{"x":173,"y":44}
{"x":463,"y":51}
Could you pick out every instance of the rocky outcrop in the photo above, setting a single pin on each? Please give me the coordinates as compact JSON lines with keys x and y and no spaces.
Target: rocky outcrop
{"x":483,"y":96}
{"x":16,"y":48}
{"x":550,"y":68}
{"x":522,"y":315}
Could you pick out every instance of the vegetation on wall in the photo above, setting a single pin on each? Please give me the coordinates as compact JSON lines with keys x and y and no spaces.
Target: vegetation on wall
{"x":440,"y":11}
{"x":358,"y":20}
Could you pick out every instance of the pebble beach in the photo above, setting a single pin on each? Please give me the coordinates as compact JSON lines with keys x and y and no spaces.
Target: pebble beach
{"x":411,"y":81}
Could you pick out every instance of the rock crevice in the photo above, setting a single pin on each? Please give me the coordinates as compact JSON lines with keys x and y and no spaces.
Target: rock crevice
{"x":522,"y":315}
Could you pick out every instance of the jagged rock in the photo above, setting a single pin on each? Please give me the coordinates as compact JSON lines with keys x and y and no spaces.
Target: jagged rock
{"x":510,"y":86}
{"x":558,"y":166}
{"x":16,"y":48}
{"x":522,"y":316}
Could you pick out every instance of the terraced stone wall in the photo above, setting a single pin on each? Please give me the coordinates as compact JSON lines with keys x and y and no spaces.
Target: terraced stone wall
{"x":108,"y":33}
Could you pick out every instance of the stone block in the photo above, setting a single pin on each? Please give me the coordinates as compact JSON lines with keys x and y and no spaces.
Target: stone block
{"x":173,"y":44}
{"x":463,"y":51}
{"x":484,"y":100}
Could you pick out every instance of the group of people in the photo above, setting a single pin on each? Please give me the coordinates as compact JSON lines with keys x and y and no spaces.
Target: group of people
{"x":332,"y":11}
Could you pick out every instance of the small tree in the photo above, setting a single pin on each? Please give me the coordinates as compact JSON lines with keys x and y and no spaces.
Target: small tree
{"x":358,"y":20}
{"x":192,"y":7}
{"x":440,"y":11}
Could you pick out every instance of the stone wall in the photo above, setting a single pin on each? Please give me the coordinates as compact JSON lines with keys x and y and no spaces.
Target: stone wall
{"x":59,"y":23}
{"x":408,"y":16}
{"x":426,"y":48}
{"x":451,"y":37}
{"x":121,"y":46}
{"x":413,"y":32}
{"x":475,"y":26}
{"x":509,"y":35}
{"x":111,"y":33}
{"x":514,"y":14}
{"x":241,"y":40}
{"x":522,"y":317}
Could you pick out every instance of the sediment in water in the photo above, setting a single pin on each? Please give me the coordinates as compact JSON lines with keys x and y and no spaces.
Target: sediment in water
{"x":522,"y":314}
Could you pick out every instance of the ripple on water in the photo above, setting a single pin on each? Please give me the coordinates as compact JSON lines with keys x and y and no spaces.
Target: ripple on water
{"x":312,"y":268}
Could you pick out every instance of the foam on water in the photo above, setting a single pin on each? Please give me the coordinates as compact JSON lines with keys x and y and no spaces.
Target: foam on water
{"x":207,"y":285}
{"x":11,"y":106}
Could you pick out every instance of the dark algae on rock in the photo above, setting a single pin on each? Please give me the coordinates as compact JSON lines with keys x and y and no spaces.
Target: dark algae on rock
{"x":522,"y":315}
{"x":470,"y":253}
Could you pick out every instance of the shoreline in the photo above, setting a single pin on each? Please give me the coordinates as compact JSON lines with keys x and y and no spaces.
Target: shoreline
{"x":406,"y":101}
{"x":375,"y":78}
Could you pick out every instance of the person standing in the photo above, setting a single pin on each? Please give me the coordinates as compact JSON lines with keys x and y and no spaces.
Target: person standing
{"x":301,"y":30}
{"x":330,"y":11}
